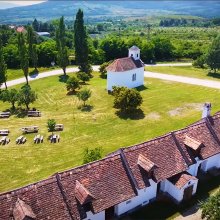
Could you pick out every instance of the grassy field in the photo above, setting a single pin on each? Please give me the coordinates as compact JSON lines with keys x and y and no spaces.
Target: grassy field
{"x":189,"y":71}
{"x":167,"y":106}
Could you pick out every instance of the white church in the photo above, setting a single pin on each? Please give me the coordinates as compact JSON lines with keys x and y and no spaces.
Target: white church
{"x":128,"y":71}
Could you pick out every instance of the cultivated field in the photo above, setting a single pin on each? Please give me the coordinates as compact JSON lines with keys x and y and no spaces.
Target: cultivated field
{"x":167,"y":106}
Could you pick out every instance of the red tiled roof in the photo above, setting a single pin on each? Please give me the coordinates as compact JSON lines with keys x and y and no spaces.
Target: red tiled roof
{"x":124,"y":64}
{"x":192,"y":143}
{"x":21,"y":29}
{"x":105,"y":179}
{"x":145,"y":163}
{"x":22,"y":211}
{"x":161,"y":151}
{"x":202,"y":134}
{"x":180,"y":180}
{"x":44,"y":198}
{"x":82,"y":194}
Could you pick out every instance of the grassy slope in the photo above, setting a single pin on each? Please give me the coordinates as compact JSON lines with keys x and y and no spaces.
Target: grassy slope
{"x":184,"y":71}
{"x":20,"y":165}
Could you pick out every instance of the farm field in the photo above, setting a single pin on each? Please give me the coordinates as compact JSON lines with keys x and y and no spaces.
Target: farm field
{"x":167,"y":106}
{"x":188,"y":71}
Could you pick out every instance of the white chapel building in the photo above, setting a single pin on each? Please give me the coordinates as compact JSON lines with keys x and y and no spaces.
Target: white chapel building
{"x":128,"y":71}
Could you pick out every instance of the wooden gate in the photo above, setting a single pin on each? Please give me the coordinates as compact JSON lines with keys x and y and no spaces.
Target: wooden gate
{"x":188,"y":193}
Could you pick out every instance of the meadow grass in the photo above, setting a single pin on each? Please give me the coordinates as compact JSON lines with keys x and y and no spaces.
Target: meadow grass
{"x":167,"y":106}
{"x":188,"y":71}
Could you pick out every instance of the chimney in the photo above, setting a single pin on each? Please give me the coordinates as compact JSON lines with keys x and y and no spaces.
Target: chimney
{"x":206,"y":110}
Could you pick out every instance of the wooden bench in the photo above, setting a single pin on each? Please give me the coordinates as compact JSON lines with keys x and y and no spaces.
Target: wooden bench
{"x":59,"y":127}
{"x":32,"y":113}
{"x":38,"y":139}
{"x":30,"y":129}
{"x":5,"y":114}
{"x":4,"y":132}
{"x":4,"y":140}
{"x":21,"y":140}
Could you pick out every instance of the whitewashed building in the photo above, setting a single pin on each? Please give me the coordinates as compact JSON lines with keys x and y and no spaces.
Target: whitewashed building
{"x":128,"y":71}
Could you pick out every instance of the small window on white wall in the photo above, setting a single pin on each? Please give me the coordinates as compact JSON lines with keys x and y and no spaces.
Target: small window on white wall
{"x":134,"y":77}
{"x":129,"y":201}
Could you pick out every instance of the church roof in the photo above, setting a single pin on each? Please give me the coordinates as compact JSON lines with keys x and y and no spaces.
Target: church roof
{"x":134,"y":48}
{"x":124,"y":64}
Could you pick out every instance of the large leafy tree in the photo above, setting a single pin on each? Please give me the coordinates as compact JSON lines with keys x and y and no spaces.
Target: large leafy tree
{"x":211,"y":208}
{"x":62,"y":56}
{"x":213,"y":56}
{"x":81,"y":44}
{"x":3,"y":67}
{"x":126,"y":99}
{"x":23,"y":55}
{"x":10,"y":96}
{"x":26,"y":96}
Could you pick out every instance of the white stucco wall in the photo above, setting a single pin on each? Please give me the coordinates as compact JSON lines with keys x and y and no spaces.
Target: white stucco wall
{"x":125,"y":78}
{"x":176,"y":193}
{"x":193,"y":169}
{"x":143,"y":197}
{"x":211,"y":162}
{"x":98,"y":216}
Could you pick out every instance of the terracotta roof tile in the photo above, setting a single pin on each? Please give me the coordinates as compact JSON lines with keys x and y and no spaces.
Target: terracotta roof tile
{"x":201,"y":133}
{"x":105,"y":179}
{"x":44,"y":199}
{"x":192,"y":143}
{"x":180,"y":180}
{"x":22,"y":211}
{"x":145,"y":163}
{"x":163,"y":152}
{"x":124,"y":64}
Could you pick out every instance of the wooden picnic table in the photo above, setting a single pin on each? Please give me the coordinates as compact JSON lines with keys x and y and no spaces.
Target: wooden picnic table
{"x":4,"y":132}
{"x":34,"y":113}
{"x":30,"y":129}
{"x":59,"y":127}
{"x":5,"y":114}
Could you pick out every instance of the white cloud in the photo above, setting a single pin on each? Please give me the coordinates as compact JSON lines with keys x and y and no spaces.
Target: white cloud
{"x":22,"y":3}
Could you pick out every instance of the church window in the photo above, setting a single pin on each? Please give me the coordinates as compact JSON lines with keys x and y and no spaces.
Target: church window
{"x":134,"y":77}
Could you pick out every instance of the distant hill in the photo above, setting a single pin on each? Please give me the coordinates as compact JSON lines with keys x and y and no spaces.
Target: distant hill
{"x":97,"y":9}
{"x":4,"y":5}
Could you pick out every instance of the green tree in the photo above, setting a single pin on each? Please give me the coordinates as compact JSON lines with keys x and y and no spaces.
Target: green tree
{"x":51,"y":124}
{"x":213,"y":56}
{"x":83,"y":77}
{"x":31,"y":40}
{"x":35,"y":25}
{"x":84,"y":95}
{"x":23,"y":54}
{"x":3,"y":67}
{"x":81,"y":44}
{"x":72,"y":84}
{"x":126,"y":99}
{"x":11,"y":56}
{"x":34,"y":57}
{"x":92,"y":154}
{"x":62,"y":56}
{"x":102,"y":69}
{"x":26,"y":96}
{"x":10,"y":96}
{"x":211,"y":208}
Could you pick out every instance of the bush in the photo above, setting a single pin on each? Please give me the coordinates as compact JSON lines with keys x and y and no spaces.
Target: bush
{"x":92,"y":155}
{"x":84,"y":77}
{"x":84,"y":95}
{"x":126,"y":99}
{"x":72,"y":84}
{"x":51,"y":123}
{"x":102,"y":69}
{"x":199,"y":62}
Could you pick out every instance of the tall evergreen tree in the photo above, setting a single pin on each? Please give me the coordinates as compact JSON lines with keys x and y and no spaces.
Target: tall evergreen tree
{"x":23,"y":55}
{"x":81,"y":44}
{"x":3,"y":67}
{"x":62,"y":56}
{"x":31,"y":40}
{"x":35,"y":25}
{"x":35,"y":57}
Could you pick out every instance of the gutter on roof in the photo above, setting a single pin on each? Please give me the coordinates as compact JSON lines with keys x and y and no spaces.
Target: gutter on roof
{"x":128,"y":171}
{"x":66,"y":201}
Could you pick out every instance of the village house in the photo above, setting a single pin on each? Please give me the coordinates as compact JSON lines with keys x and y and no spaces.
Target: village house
{"x":169,"y":165}
{"x":128,"y":71}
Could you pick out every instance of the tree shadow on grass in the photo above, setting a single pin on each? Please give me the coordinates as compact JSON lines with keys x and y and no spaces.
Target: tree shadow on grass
{"x":71,"y":93}
{"x":63,"y":78}
{"x":134,"y":115}
{"x":86,"y":108}
{"x":214,"y":75}
{"x":34,"y":73}
{"x":19,"y":112}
